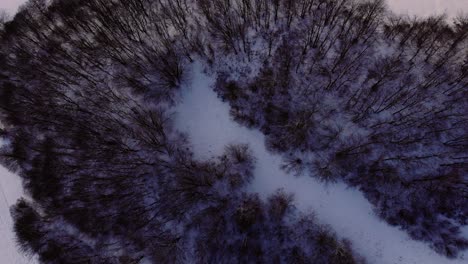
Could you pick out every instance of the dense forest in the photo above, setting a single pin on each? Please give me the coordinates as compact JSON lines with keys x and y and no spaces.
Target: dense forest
{"x":344,"y":90}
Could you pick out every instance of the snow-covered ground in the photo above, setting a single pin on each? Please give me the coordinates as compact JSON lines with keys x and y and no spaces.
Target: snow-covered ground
{"x":11,"y":6}
{"x":10,"y":191}
{"x":428,"y":7}
{"x":205,"y":118}
{"x":413,"y":7}
{"x":346,"y":210}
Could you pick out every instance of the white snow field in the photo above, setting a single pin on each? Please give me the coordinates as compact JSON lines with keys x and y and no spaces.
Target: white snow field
{"x":11,"y":6}
{"x":10,"y":191}
{"x":206,"y":120}
{"x":428,"y":7}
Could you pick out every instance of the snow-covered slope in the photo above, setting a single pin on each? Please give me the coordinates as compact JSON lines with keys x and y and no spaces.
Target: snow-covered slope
{"x":205,"y":118}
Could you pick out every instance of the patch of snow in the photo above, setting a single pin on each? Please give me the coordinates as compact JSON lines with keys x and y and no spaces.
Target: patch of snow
{"x":11,"y":6}
{"x":10,"y":191}
{"x":428,"y":7}
{"x":206,"y":120}
{"x":464,"y":231}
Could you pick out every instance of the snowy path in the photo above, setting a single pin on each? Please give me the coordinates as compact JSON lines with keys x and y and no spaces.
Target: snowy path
{"x":206,"y":120}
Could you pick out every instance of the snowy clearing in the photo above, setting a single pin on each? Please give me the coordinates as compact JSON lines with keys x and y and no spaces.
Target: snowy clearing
{"x":205,"y":118}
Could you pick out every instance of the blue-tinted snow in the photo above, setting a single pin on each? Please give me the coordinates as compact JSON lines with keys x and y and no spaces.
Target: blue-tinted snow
{"x":206,"y":120}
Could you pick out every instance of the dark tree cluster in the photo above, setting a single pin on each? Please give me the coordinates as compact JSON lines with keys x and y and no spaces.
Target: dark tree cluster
{"x":345,"y":90}
{"x":85,"y":89}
